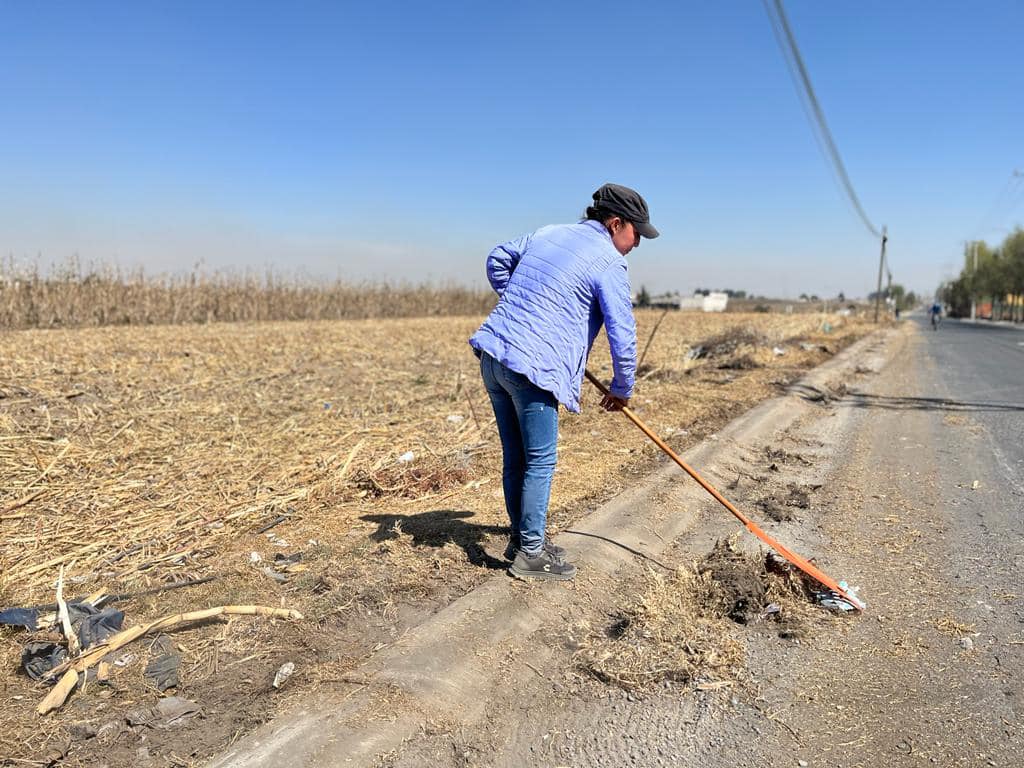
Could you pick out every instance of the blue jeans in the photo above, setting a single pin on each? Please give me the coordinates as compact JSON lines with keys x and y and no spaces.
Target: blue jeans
{"x":527,"y":418}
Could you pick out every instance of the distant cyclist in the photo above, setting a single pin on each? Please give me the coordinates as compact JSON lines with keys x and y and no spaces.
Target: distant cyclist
{"x":935,"y":312}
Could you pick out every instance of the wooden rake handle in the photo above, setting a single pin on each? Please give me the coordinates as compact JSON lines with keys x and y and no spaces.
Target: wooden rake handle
{"x":800,"y":562}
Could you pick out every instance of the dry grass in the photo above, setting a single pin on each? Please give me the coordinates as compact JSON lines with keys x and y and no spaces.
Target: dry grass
{"x":671,"y":633}
{"x":137,"y":457}
{"x":950,"y":626}
{"x":73,"y":296}
{"x":682,"y":628}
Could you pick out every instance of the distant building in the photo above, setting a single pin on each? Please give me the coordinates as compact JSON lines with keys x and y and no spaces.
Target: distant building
{"x":665,"y":301}
{"x":713,"y":301}
{"x":716,"y":302}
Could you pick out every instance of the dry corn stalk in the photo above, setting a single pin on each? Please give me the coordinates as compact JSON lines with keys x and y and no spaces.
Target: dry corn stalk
{"x":65,"y":620}
{"x":59,"y":693}
{"x":70,"y":669}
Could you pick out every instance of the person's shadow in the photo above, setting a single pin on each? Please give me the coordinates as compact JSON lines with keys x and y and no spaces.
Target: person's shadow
{"x":437,"y":528}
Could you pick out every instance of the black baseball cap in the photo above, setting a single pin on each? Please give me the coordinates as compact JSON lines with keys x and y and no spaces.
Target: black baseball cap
{"x":627,"y":203}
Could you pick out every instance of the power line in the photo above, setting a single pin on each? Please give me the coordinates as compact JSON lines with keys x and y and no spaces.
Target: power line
{"x":1008,"y":194}
{"x":798,"y":71}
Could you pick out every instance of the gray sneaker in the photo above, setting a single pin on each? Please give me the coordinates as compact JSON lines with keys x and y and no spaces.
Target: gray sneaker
{"x":552,"y":549}
{"x":543,"y":566}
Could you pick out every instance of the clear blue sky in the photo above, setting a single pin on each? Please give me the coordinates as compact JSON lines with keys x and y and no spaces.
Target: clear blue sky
{"x":403,"y":140}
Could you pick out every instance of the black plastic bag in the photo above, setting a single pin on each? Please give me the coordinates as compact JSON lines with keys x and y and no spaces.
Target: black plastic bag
{"x":162,"y":671}
{"x":97,"y":627}
{"x":38,"y":658}
{"x":20,"y":617}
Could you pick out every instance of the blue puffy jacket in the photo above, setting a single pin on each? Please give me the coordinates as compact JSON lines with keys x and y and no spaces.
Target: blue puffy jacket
{"x":556,"y":288}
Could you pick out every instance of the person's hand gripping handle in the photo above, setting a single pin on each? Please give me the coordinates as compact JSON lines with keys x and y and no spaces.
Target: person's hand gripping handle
{"x":609,"y":401}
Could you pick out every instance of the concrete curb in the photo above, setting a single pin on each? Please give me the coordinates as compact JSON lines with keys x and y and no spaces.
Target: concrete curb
{"x":450,"y":662}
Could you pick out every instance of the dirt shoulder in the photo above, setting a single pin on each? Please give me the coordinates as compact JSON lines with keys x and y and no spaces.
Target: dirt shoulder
{"x":269,"y":457}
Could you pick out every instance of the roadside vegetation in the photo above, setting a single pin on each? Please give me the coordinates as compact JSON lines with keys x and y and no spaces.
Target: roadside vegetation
{"x":992,"y":277}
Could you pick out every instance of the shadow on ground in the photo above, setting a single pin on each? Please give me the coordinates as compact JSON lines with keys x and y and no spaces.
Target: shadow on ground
{"x":856,"y":399}
{"x":439,"y":527}
{"x":888,"y":402}
{"x":619,"y":544}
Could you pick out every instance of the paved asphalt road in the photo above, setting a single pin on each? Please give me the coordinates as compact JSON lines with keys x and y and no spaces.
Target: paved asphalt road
{"x":981,"y":366}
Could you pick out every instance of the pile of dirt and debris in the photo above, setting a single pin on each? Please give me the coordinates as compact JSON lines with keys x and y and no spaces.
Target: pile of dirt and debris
{"x":761,"y":586}
{"x":684,"y":628}
{"x":671,"y":633}
{"x":739,"y":349}
{"x":739,"y":581}
{"x":728,"y":342}
{"x":782,"y":504}
{"x":413,"y":476}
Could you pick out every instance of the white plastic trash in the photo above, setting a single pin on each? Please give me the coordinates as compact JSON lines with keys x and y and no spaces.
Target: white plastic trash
{"x":283,"y":673}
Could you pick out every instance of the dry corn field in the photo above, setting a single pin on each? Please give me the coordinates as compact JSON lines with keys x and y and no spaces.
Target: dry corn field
{"x":71,"y":296}
{"x":347,"y":469}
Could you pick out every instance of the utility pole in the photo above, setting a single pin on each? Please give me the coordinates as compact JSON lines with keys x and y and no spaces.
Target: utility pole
{"x":974,"y":275}
{"x":881,"y":263}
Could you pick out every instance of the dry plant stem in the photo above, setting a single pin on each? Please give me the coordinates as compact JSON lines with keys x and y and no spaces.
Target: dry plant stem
{"x":96,"y":597}
{"x":58,"y":695}
{"x":126,"y":636}
{"x":21,"y":503}
{"x":650,"y":338}
{"x":472,"y":410}
{"x":50,"y":466}
{"x":65,"y":620}
{"x":348,"y":461}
